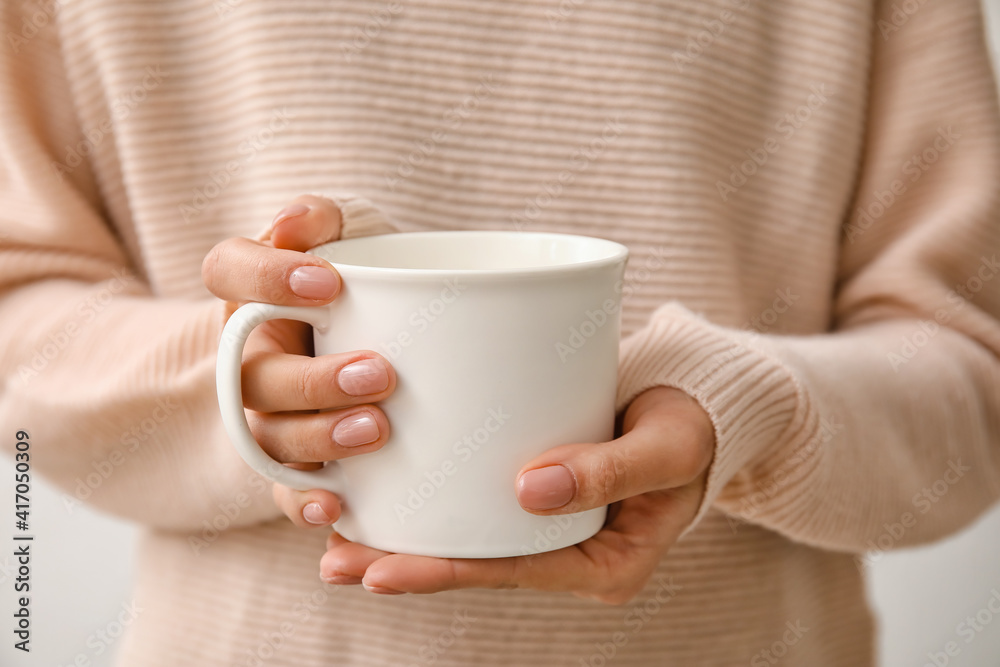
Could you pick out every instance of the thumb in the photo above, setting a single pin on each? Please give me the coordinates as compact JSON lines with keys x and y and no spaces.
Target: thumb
{"x":669,"y":443}
{"x":306,"y":222}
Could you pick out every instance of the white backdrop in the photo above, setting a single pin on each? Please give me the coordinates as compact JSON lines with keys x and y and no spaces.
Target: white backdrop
{"x":81,"y":568}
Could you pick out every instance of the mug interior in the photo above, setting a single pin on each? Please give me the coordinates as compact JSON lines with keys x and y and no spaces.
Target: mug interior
{"x":472,"y":251}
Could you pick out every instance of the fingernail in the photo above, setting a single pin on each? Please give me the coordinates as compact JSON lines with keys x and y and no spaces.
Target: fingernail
{"x":313,"y":282}
{"x":341,"y":579}
{"x":355,"y":431}
{"x":363,"y":377}
{"x":546,"y":488}
{"x":381,"y":591}
{"x":314,"y":514}
{"x":291,"y":211}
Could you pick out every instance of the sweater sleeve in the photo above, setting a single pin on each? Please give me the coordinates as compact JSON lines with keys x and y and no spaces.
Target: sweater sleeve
{"x":114,"y":385}
{"x":886,"y":429}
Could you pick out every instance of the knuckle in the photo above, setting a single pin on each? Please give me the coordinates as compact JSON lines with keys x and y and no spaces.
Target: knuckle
{"x":309,"y":385}
{"x":304,"y":444}
{"x":612,"y":475}
{"x":262,"y":280}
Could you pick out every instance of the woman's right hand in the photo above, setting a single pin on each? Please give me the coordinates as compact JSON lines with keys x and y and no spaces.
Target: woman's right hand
{"x":303,"y":410}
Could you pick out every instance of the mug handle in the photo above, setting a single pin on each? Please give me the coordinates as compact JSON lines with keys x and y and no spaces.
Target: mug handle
{"x":228,"y":382}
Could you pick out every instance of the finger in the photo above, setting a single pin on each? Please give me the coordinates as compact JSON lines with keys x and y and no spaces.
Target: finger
{"x":289,"y":382}
{"x":240,"y":269}
{"x":565,"y":570}
{"x":668,"y":442}
{"x":318,"y":437}
{"x":307,"y":509}
{"x":307,"y":221}
{"x":345,"y":562}
{"x":612,"y":567}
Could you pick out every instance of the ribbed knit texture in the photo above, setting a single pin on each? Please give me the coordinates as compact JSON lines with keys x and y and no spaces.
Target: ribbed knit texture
{"x":828,"y":296}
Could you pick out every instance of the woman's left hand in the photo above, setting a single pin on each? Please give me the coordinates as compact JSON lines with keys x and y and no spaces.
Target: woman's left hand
{"x":655,"y":473}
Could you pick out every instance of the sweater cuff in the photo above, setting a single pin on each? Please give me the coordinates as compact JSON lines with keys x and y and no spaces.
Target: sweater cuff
{"x":753,"y":400}
{"x":360,"y":217}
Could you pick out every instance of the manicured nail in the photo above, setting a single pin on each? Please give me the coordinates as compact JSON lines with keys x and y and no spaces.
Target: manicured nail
{"x":363,"y":377}
{"x":381,"y":591}
{"x":546,"y":488}
{"x":314,"y":514}
{"x":292,"y":211}
{"x":356,"y":430}
{"x":313,"y":282}
{"x":341,"y":579}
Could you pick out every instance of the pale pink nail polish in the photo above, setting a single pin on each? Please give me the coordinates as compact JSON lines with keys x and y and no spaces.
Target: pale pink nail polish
{"x":381,"y":591}
{"x":362,"y":378}
{"x":355,"y":430}
{"x":288,"y":212}
{"x":314,"y":514}
{"x":546,"y":488}
{"x":313,"y":282}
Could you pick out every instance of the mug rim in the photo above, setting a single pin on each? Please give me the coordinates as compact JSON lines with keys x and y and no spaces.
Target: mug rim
{"x":617,"y":253}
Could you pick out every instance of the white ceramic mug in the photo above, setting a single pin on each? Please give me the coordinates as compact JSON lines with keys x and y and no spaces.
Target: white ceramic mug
{"x":505,"y":344}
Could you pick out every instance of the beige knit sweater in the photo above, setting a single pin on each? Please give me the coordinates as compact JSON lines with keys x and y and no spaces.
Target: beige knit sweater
{"x":809,"y":190}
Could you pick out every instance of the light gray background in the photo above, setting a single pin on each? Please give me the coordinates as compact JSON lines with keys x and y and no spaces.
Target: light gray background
{"x":81,"y":572}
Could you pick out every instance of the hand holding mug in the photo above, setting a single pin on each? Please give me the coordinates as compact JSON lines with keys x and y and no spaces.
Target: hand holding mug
{"x":302,"y":410}
{"x":505,"y":344}
{"x":654,"y":475}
